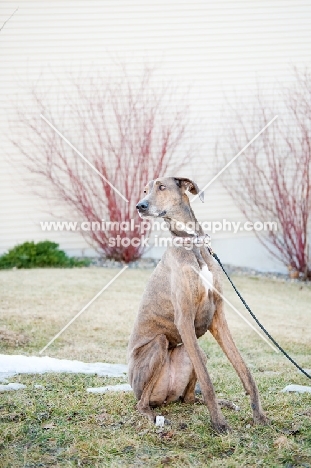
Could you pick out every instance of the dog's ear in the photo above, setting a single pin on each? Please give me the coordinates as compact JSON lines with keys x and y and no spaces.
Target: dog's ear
{"x":189,"y":185}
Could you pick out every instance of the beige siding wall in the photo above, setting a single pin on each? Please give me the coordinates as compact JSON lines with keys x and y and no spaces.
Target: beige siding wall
{"x":207,"y":49}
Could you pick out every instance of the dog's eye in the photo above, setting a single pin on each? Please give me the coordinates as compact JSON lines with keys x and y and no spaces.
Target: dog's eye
{"x":145,"y":191}
{"x":162,"y":187}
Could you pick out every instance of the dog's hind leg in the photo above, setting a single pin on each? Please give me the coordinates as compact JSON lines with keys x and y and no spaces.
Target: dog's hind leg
{"x":182,"y":377}
{"x":145,"y":368}
{"x":220,"y":330}
{"x":189,"y":394}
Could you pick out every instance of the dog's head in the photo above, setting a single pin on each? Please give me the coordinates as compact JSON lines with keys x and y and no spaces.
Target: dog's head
{"x":164,"y":195}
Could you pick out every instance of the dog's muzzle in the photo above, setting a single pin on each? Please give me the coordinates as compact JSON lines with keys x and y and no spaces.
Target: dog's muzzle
{"x":143,"y":209}
{"x":142,"y":206}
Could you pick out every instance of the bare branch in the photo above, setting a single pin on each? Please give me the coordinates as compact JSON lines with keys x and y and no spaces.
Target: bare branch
{"x":8,"y":19}
{"x":272,"y":181}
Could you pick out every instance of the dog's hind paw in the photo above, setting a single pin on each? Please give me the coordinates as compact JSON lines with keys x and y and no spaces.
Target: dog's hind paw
{"x":221,"y":427}
{"x":189,"y":400}
{"x":146,"y":411}
{"x":261,"y":418}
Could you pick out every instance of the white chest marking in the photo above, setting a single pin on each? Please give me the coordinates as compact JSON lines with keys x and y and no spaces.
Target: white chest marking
{"x":208,"y":275}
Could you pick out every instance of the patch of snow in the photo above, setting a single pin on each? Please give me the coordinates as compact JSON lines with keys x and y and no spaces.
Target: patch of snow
{"x":160,"y":421}
{"x":39,"y":386}
{"x":11,"y":386}
{"x":4,"y":376}
{"x":18,"y":364}
{"x":297,"y":388}
{"x":110,"y":388}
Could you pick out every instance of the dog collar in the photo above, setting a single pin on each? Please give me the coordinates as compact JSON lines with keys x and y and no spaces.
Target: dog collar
{"x":195,"y":240}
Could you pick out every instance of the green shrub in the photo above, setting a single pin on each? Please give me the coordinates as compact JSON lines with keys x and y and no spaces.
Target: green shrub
{"x":38,"y":255}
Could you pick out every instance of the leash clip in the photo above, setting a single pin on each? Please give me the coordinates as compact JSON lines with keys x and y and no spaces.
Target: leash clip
{"x":208,"y":243}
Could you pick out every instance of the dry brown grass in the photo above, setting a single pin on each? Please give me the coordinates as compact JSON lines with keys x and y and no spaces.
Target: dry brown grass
{"x":11,"y":338}
{"x":38,"y":303}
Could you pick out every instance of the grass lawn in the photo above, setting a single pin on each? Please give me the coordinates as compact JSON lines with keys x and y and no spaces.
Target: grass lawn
{"x":63,"y":425}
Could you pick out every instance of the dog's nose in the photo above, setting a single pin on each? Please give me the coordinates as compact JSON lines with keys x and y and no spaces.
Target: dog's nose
{"x":142,"y":205}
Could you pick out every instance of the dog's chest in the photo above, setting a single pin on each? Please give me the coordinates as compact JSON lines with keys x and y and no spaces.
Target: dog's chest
{"x":206,"y":307}
{"x":207,"y":278}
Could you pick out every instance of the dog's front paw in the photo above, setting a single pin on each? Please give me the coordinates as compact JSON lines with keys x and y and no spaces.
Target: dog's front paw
{"x":221,"y":427}
{"x":261,"y":418}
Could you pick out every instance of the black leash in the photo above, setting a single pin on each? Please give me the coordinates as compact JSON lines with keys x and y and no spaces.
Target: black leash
{"x":256,"y":319}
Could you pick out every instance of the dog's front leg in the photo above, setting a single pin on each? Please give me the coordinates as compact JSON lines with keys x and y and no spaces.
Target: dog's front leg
{"x":220,"y":330}
{"x":184,"y":321}
{"x":187,"y":333}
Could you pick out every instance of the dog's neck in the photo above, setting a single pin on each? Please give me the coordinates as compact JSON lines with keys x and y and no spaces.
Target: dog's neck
{"x":184,"y":216}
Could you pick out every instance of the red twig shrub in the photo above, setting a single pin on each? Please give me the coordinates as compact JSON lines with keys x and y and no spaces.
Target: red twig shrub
{"x":130,"y":130}
{"x":271,"y":181}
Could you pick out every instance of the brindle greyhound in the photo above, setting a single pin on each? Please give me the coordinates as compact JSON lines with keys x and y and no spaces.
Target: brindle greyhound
{"x":165,"y":360}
